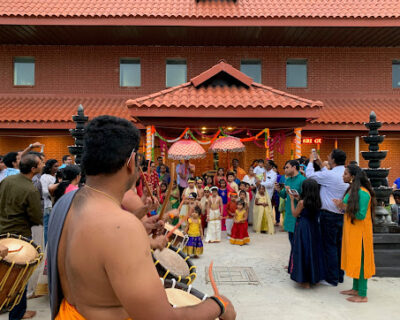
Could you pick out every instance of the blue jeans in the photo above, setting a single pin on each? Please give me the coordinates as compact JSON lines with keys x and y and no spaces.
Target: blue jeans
{"x":46,"y":216}
{"x":331,"y":232}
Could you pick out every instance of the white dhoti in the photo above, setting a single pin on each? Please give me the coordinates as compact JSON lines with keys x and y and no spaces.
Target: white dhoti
{"x":214,"y":226}
{"x":229,"y":225}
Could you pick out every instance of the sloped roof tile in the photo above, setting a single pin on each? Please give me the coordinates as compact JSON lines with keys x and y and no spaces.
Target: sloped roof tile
{"x":202,"y":9}
{"x":355,"y":110}
{"x":194,"y":95}
{"x":50,"y":110}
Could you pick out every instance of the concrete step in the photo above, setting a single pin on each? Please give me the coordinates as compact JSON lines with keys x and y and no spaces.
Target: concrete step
{"x":387,"y":257}
{"x":386,"y":241}
{"x":393,"y":272}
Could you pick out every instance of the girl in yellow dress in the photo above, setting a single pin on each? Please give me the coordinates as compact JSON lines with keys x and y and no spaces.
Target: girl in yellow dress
{"x":263,"y":214}
{"x":195,"y":232}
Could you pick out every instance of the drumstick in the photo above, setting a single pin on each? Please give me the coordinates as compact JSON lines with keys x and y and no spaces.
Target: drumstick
{"x":211,"y":276}
{"x":214,"y":285}
{"x":147,"y":186}
{"x":174,"y":228}
{"x":179,"y":223}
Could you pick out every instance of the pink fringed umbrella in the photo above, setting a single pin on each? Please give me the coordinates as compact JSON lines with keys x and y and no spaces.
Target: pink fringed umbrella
{"x":185,"y":150}
{"x":227,"y":144}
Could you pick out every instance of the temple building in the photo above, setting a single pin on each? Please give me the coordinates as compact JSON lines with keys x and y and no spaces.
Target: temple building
{"x":240,"y":66}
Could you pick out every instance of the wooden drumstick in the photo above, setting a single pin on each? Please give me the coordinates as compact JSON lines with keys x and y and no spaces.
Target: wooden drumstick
{"x":147,"y":186}
{"x":213,"y":284}
{"x":174,"y":228}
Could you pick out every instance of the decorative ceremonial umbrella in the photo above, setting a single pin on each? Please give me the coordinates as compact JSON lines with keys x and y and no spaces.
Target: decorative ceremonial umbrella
{"x":227,"y":144}
{"x":186,"y":149}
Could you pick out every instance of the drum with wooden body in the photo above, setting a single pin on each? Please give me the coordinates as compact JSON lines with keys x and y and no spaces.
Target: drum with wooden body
{"x":178,"y":239}
{"x":182,"y":295}
{"x":172,"y":263}
{"x":16,"y":268}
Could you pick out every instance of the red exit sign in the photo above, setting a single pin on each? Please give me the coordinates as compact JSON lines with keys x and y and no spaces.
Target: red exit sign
{"x":312,"y":140}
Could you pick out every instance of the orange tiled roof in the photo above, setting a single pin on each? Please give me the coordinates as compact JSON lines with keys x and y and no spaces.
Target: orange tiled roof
{"x":194,"y":94}
{"x":201,"y":8}
{"x":24,"y":111}
{"x":354,"y":110}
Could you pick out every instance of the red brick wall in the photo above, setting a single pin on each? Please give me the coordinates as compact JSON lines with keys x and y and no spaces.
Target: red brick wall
{"x":55,"y":147}
{"x":95,"y":69}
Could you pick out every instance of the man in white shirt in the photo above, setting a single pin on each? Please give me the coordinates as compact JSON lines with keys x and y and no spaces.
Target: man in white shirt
{"x":270,"y":177}
{"x":331,"y":219}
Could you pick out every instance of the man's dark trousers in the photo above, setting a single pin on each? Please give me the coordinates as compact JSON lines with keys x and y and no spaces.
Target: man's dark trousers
{"x":331,"y":231}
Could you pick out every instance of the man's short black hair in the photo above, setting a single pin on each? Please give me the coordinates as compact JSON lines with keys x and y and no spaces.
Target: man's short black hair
{"x":39,"y":154}
{"x":396,"y":194}
{"x":260,"y":160}
{"x":159,"y":158}
{"x":28,"y":161}
{"x":272,"y":163}
{"x":339,"y":156}
{"x":235,"y":159}
{"x":293,"y":163}
{"x":108,"y":144}
{"x":65,"y":157}
{"x":9,"y":158}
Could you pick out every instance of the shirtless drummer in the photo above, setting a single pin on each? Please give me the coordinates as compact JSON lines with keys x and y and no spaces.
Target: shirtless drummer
{"x":100,"y":265}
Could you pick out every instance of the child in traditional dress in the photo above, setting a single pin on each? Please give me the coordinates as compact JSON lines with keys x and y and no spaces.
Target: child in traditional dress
{"x":263,"y":214}
{"x":306,"y":265}
{"x":231,"y":209}
{"x":190,"y":189}
{"x":200,"y":188}
{"x":231,"y":182}
{"x":194,"y":230}
{"x":239,"y":234}
{"x":204,"y":206}
{"x":163,"y":190}
{"x":223,"y":193}
{"x":214,"y":217}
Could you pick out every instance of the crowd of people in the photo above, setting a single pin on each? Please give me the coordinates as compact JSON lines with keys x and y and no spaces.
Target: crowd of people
{"x":325,"y":207}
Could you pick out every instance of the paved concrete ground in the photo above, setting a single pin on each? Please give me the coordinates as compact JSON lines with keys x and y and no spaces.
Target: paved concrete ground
{"x":277,"y":297}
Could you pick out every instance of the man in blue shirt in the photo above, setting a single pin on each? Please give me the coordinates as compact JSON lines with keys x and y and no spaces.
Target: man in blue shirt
{"x":396,"y":184}
{"x":294,"y":181}
{"x":11,"y":160}
{"x":67,"y":160}
{"x":160,"y":163}
{"x":331,"y":219}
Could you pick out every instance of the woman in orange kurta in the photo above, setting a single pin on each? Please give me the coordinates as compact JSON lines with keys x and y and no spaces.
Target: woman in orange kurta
{"x":357,"y":244}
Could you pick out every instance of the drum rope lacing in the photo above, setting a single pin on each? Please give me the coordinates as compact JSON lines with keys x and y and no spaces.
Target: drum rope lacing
{"x":19,"y":277}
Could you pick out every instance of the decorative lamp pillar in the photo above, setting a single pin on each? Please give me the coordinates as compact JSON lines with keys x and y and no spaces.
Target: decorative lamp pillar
{"x":80,"y":119}
{"x":378,"y":175}
{"x":297,"y":142}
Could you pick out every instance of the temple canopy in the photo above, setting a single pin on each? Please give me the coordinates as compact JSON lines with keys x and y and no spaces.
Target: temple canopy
{"x":222,"y":95}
